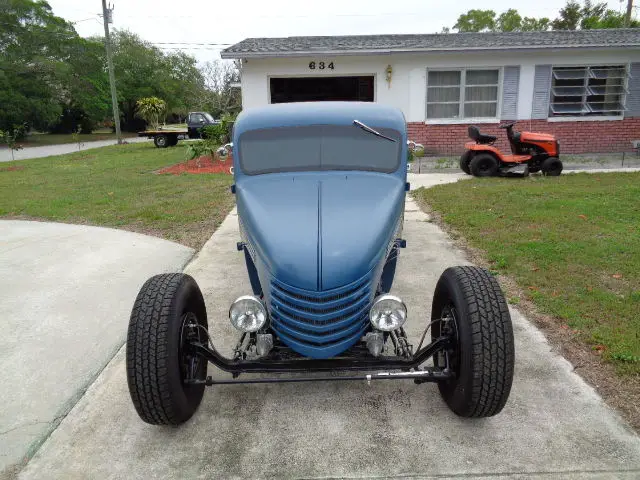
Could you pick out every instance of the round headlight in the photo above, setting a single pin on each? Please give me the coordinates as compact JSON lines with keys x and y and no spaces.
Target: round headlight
{"x":388,"y":313}
{"x":247,"y":314}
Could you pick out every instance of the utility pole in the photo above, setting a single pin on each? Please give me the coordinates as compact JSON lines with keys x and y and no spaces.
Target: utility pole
{"x":627,"y":18}
{"x":107,"y":16}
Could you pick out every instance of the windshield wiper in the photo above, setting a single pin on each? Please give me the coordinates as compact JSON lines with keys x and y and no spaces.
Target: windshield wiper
{"x":364,"y":127}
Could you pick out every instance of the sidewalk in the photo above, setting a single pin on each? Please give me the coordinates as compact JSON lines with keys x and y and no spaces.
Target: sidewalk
{"x":50,"y":150}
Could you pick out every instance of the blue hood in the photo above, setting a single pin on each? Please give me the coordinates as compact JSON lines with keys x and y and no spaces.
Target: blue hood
{"x":318,"y":231}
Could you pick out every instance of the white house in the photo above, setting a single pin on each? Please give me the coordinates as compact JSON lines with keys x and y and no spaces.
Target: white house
{"x":583,"y":86}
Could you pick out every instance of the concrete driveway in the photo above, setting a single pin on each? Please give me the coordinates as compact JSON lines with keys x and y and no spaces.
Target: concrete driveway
{"x":50,"y":150}
{"x":65,"y":294}
{"x":554,"y":425}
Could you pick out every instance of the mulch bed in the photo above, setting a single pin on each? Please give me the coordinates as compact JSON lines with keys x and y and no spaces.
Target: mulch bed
{"x":13,"y":168}
{"x":204,"y":164}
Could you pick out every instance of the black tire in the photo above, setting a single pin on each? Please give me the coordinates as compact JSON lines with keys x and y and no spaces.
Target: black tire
{"x":155,"y":359}
{"x":161,"y":141}
{"x":484,"y":355}
{"x":173,"y":140}
{"x":552,"y":167}
{"x":483,"y":165}
{"x":465,"y":159}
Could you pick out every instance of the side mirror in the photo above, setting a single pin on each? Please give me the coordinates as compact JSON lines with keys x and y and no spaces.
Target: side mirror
{"x":201,"y":120}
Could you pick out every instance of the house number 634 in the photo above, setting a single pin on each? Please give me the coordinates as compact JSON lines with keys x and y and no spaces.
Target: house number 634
{"x":321,"y":65}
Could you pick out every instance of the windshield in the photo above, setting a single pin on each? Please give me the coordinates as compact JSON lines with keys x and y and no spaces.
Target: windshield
{"x":209,"y":117}
{"x":318,"y":147}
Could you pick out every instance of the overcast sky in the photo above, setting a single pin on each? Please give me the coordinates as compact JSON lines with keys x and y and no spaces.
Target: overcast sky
{"x":227,"y":22}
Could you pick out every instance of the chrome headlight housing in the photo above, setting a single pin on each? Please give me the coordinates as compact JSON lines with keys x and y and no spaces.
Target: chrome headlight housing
{"x":248,"y":314}
{"x":388,"y":313}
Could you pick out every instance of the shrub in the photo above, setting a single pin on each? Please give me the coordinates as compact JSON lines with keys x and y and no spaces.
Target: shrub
{"x":212,"y":137}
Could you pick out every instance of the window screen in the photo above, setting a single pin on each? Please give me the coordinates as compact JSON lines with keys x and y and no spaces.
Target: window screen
{"x":462,"y":93}
{"x":318,"y":147}
{"x":588,"y":91}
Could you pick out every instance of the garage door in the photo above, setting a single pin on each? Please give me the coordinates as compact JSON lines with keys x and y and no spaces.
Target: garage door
{"x":314,"y":89}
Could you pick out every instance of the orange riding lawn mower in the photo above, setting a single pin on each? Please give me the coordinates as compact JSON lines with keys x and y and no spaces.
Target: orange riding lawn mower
{"x":530,"y":153}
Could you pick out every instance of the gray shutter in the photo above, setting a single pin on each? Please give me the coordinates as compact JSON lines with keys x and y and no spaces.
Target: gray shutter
{"x":541,"y":91}
{"x":633,"y":97}
{"x":510,"y":84}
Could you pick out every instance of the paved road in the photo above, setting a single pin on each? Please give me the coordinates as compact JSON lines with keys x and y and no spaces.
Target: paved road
{"x":49,"y":150}
{"x":65,"y":294}
{"x":554,"y":425}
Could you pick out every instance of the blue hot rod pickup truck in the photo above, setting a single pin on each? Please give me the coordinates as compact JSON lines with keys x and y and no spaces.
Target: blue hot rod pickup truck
{"x":320,"y":190}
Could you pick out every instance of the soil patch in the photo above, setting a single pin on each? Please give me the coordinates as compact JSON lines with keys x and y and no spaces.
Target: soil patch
{"x":203,"y":164}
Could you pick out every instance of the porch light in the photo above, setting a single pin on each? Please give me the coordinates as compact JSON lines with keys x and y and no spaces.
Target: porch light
{"x":389,"y":74}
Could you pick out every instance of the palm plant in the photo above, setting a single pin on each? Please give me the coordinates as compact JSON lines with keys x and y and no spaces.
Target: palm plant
{"x":150,"y":109}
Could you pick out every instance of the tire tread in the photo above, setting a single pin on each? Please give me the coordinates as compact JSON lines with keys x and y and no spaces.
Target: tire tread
{"x":492,"y":335}
{"x":147,"y":353}
{"x":492,"y":343}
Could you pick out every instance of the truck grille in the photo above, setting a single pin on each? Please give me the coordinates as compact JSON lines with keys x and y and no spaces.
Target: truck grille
{"x":320,"y":324}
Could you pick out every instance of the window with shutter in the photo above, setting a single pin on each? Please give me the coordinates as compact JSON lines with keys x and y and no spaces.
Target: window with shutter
{"x":463,"y":93}
{"x":588,"y":91}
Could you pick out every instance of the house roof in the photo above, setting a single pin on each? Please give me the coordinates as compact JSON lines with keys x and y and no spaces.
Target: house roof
{"x":438,"y":42}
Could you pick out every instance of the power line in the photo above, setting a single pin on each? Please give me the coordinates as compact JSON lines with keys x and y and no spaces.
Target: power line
{"x":192,"y":43}
{"x":73,"y":36}
{"x":84,"y":20}
{"x":389,"y":14}
{"x":191,"y":48}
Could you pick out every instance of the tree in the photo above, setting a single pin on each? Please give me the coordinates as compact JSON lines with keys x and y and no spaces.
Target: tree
{"x":599,"y":16}
{"x":573,"y":16}
{"x":34,"y":47}
{"x":509,"y":21}
{"x":530,"y":24}
{"x":143,"y":70}
{"x":84,"y":94}
{"x":180,"y":82}
{"x":569,"y":18}
{"x":590,"y":16}
{"x":221,"y":96}
{"x":52,"y":79}
{"x":11,"y":137}
{"x":150,"y":109}
{"x":476,"y":21}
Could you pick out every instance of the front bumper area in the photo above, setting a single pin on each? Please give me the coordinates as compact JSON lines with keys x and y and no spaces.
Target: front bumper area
{"x":285,"y":360}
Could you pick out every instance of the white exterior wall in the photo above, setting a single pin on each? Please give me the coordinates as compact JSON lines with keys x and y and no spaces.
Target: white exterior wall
{"x":407,"y":90}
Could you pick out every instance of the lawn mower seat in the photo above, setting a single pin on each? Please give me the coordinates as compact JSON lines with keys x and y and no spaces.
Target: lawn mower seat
{"x":474,"y":134}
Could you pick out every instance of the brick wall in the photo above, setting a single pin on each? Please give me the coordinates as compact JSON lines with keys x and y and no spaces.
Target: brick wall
{"x":575,"y":137}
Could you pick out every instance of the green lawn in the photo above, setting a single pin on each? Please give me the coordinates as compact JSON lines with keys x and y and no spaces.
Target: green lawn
{"x":41,"y":139}
{"x":572,"y":243}
{"x":117,"y":187}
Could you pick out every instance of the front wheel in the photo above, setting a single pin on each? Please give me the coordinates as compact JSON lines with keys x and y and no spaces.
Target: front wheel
{"x":168,"y":313}
{"x":552,"y":167}
{"x":471,"y":309}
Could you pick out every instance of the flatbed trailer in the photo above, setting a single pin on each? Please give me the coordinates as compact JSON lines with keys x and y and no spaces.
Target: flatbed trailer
{"x":165,"y":138}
